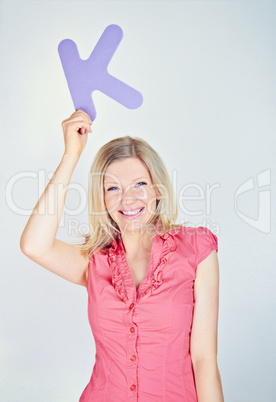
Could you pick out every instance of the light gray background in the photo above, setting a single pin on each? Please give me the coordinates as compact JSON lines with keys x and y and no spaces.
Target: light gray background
{"x":206,"y":70}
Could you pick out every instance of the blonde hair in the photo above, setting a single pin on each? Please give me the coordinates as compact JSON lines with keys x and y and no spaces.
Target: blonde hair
{"x":103,"y":229}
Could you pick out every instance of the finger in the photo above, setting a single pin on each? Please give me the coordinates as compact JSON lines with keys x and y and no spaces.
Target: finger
{"x":85,"y":130}
{"x":83,"y":114}
{"x":77,"y":125}
{"x":76,"y":119}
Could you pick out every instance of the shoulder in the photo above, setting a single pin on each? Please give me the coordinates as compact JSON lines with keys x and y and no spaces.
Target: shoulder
{"x":200,"y":239}
{"x":206,"y":241}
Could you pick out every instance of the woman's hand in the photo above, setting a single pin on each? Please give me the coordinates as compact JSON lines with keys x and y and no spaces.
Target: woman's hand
{"x":75,"y":130}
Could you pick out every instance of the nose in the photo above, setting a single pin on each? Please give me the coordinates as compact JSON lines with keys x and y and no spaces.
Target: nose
{"x":129,"y":198}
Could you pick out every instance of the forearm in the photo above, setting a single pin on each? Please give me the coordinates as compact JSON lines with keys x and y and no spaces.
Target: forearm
{"x":208,"y":381}
{"x":41,"y":228}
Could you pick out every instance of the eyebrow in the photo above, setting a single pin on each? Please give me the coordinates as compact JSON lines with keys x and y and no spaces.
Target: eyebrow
{"x":138,"y":178}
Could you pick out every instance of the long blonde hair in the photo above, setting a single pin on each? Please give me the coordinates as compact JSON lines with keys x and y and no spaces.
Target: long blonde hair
{"x":103,"y":229}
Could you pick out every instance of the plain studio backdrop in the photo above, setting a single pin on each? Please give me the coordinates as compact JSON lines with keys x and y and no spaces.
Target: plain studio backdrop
{"x":206,"y":70}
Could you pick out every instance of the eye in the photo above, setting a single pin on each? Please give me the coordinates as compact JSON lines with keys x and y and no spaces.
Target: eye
{"x":141,"y":182}
{"x":138,"y":184}
{"x":111,"y":188}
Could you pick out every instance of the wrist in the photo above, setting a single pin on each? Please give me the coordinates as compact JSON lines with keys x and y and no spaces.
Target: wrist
{"x":70,"y":158}
{"x":71,"y":155}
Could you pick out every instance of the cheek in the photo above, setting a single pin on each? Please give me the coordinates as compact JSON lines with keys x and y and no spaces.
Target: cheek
{"x":145,"y":193}
{"x":151,"y":200}
{"x":112,"y":200}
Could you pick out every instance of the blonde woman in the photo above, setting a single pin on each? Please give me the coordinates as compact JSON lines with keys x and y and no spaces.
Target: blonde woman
{"x":153,"y":285}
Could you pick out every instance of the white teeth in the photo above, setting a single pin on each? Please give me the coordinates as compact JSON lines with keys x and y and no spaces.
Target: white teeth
{"x":132,"y":212}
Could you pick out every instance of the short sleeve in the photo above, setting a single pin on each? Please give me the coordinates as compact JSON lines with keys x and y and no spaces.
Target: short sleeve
{"x":206,"y":241}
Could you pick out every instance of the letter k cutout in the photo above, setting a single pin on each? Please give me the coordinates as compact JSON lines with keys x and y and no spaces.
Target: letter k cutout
{"x":85,"y":76}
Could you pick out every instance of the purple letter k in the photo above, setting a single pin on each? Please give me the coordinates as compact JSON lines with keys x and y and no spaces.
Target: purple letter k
{"x":85,"y":76}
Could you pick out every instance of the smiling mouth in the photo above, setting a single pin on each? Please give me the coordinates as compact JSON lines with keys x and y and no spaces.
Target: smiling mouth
{"x":131,"y":213}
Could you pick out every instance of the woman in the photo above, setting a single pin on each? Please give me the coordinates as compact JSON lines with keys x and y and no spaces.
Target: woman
{"x":152,"y":285}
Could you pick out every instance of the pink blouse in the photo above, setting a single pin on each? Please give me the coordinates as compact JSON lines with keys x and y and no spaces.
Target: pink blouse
{"x":142,"y":337}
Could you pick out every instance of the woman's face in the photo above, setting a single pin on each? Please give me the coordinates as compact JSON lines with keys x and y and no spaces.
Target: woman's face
{"x":129,"y":195}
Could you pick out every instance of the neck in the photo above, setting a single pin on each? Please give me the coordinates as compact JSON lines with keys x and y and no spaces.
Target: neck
{"x":136,"y":242}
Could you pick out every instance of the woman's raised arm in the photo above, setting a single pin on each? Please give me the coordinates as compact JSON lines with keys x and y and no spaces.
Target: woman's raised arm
{"x":38,"y":240}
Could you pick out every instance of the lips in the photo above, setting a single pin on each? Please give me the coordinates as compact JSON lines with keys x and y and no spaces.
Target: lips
{"x":131,"y":212}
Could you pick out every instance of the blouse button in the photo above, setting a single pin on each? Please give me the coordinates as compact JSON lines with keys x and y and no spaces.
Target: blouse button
{"x":132,"y":387}
{"x":132,"y":329}
{"x":133,"y":358}
{"x":131,"y":306}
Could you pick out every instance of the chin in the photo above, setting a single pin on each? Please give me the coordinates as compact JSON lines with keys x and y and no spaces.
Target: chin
{"x":134,"y":227}
{"x":131,"y":227}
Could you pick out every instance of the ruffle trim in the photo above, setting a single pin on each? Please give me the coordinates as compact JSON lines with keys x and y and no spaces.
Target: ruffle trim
{"x":116,"y":256}
{"x":117,"y":279}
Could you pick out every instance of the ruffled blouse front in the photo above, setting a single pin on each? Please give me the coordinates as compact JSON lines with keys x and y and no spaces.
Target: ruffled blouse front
{"x":163,"y":246}
{"x":142,"y":337}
